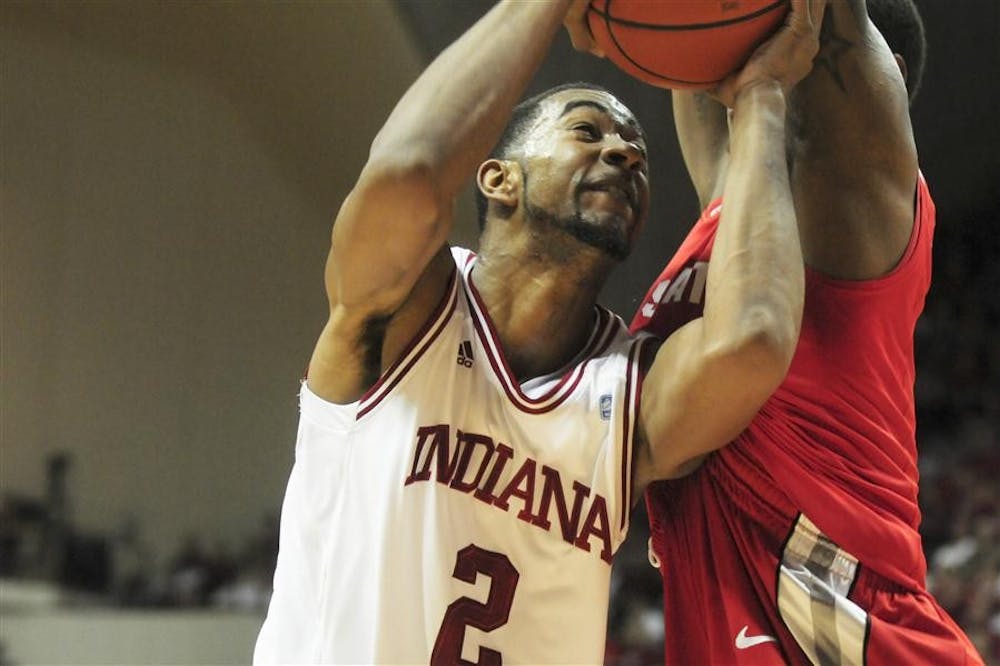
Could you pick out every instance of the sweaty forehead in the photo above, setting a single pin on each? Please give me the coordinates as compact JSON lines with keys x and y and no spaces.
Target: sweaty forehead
{"x":565,"y":101}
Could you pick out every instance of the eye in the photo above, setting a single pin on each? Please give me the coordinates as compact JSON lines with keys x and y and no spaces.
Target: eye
{"x":587,"y":130}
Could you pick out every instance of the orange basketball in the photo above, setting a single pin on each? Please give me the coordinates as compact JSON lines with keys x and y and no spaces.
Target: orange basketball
{"x":682,"y":43}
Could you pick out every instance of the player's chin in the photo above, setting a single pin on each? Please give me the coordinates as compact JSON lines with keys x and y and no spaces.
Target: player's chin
{"x":628,"y":222}
{"x":611,"y":234}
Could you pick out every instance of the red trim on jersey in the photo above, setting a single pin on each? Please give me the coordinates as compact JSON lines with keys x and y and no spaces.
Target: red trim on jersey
{"x":469,"y":258}
{"x":635,"y":372}
{"x":626,"y":435}
{"x":598,"y":343}
{"x":411,"y":354}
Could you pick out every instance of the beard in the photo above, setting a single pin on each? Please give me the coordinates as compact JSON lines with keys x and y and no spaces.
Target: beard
{"x":610,"y":239}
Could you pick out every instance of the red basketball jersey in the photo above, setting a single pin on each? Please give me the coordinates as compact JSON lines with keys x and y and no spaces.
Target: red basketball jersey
{"x":838,"y":436}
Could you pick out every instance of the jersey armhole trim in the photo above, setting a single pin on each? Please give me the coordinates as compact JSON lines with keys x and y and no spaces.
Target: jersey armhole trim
{"x":414,"y":350}
{"x":633,"y":398}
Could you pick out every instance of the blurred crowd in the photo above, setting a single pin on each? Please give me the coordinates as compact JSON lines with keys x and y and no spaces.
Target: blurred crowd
{"x":958,"y":410}
{"x":200,"y":575}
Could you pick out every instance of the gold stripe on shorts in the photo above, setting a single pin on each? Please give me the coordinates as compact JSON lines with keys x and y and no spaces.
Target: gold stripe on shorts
{"x":814,"y":579}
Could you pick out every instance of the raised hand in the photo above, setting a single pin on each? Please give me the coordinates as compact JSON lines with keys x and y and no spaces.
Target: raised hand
{"x":579,"y":30}
{"x":786,"y":58}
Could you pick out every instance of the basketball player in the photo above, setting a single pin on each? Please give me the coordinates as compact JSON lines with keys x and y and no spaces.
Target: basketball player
{"x":805,"y":527}
{"x":472,"y":433}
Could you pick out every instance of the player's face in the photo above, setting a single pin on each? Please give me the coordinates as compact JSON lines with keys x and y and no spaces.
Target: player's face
{"x":585,"y":170}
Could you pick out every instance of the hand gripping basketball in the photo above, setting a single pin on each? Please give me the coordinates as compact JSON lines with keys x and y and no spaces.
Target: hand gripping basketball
{"x":686,"y":44}
{"x":579,"y":32}
{"x":786,"y":58}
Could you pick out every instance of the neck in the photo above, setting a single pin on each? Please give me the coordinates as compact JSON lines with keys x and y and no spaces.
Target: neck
{"x":541,"y":303}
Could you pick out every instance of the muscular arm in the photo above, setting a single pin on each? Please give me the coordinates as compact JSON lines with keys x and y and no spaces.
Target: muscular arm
{"x":388,"y":265}
{"x":711,"y":376}
{"x":703,"y":133}
{"x":853,"y":159}
{"x":854,"y":162}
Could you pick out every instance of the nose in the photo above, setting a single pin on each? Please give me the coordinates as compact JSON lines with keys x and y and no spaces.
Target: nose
{"x":623,"y":154}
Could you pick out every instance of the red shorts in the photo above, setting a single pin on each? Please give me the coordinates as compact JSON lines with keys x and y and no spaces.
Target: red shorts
{"x":748,"y":580}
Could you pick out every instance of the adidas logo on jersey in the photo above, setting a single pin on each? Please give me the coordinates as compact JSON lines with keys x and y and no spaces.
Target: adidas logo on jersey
{"x":465,"y":354}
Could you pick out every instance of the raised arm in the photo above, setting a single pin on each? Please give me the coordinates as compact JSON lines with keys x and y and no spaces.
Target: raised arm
{"x":854,"y":161}
{"x":703,"y":134}
{"x":388,"y":264}
{"x":853,"y":158}
{"x":712,"y":375}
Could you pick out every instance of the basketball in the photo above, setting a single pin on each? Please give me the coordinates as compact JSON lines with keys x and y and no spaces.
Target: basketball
{"x":685,"y":44}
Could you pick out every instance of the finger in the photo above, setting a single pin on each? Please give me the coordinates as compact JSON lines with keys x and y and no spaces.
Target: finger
{"x":582,"y":40}
{"x":723,"y":91}
{"x":582,"y":11}
{"x":579,"y":29}
{"x":810,"y":14}
{"x":800,"y":17}
{"x":817,"y":11}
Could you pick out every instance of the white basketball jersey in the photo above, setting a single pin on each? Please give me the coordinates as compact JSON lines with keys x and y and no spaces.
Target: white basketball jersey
{"x":452,"y":513}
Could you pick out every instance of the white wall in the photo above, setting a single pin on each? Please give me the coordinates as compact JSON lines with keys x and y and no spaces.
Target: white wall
{"x":169,"y":173}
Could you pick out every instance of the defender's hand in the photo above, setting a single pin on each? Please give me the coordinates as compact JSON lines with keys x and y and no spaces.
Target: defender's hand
{"x":579,"y":30}
{"x":786,"y":58}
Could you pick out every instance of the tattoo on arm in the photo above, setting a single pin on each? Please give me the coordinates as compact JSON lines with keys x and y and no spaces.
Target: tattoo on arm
{"x":832,"y":48}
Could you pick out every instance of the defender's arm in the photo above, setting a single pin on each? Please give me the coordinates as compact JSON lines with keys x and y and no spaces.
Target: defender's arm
{"x":711,"y":376}
{"x":854,"y":160}
{"x":703,"y":134}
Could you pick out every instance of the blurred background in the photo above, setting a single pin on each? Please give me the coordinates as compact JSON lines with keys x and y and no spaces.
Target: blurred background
{"x":168,"y":175}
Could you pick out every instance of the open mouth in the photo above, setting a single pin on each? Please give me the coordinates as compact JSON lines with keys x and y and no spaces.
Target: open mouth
{"x":619,"y":190}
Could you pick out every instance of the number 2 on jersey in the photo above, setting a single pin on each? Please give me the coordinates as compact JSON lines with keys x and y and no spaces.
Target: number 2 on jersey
{"x":465,"y":611}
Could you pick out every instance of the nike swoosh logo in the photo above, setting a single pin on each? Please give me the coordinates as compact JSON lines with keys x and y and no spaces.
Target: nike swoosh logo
{"x":743,"y":641}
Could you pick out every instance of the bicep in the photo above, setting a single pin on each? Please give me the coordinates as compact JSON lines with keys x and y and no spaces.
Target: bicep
{"x":855,"y":98}
{"x":387,"y":267}
{"x":853,"y":154}
{"x":387,"y":231}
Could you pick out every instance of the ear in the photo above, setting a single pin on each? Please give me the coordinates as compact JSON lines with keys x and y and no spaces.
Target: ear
{"x":902,"y":65}
{"x":500,"y":182}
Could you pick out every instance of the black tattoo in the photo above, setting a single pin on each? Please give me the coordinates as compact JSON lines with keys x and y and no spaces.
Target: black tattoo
{"x":831,"y":48}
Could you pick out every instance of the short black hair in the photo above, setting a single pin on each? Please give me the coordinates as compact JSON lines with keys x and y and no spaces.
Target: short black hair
{"x":513,"y":136}
{"x":900,"y":23}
